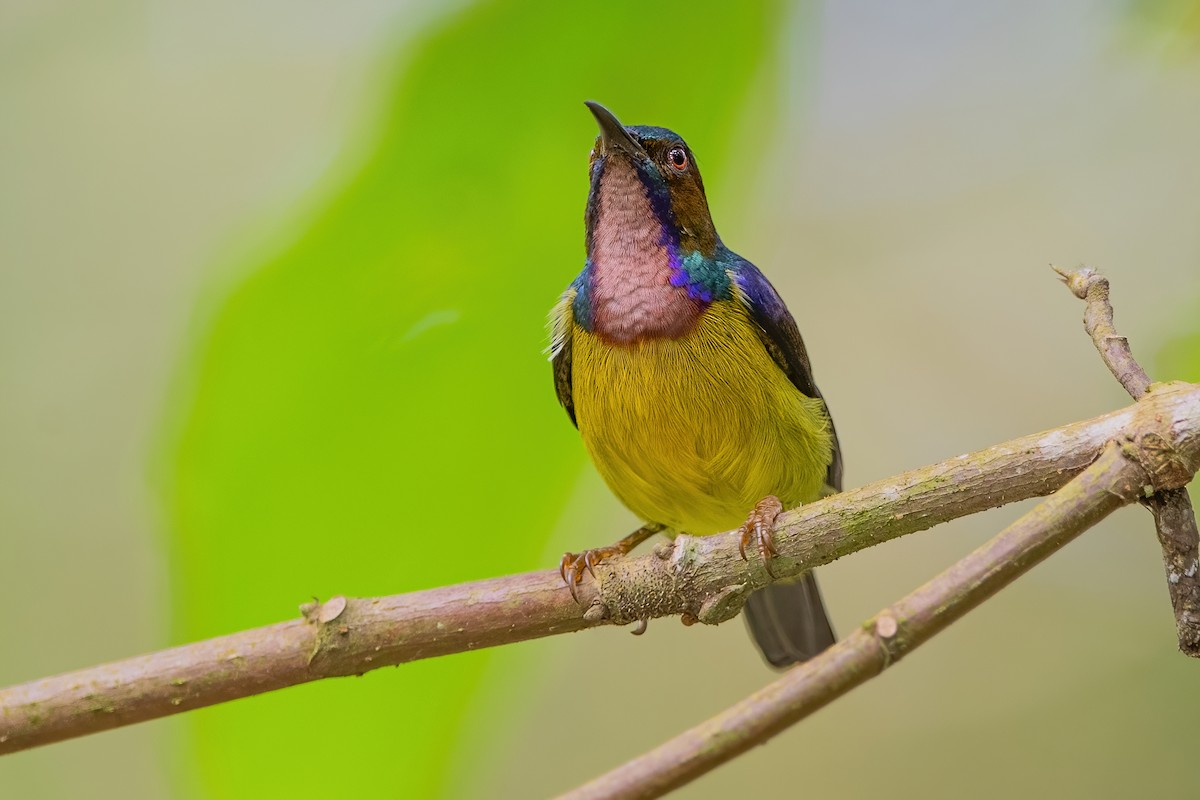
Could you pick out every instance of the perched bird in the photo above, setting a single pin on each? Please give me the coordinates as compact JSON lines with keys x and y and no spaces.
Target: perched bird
{"x":687,"y":378}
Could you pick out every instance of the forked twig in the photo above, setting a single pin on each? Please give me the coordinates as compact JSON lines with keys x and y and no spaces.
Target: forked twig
{"x":1174,"y":517}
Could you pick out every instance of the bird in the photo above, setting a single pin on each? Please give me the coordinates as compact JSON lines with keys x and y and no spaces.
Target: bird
{"x":687,"y":378}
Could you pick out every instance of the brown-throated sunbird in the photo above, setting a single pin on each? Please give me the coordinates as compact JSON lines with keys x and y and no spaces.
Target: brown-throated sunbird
{"x":687,"y":377}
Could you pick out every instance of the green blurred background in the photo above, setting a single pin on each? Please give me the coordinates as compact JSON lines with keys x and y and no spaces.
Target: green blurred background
{"x":273,"y":284}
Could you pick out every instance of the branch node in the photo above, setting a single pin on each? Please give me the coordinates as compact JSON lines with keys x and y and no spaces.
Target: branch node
{"x":309,"y":610}
{"x":722,"y":606}
{"x":319,"y":613}
{"x":1167,"y":467}
{"x":1078,"y":280}
{"x":597,"y":611}
{"x":885,"y":628}
{"x":682,"y":555}
{"x":331,"y":609}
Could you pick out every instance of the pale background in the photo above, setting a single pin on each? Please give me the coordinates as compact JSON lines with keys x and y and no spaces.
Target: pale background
{"x":904,"y":174}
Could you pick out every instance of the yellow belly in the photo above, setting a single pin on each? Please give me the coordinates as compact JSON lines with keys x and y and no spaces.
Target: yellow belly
{"x":692,"y":432}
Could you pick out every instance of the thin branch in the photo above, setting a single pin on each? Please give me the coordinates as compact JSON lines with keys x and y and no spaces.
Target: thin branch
{"x":1175,"y":521}
{"x":1092,"y":287}
{"x":1174,"y":518}
{"x":1112,"y":481}
{"x":700,"y":577}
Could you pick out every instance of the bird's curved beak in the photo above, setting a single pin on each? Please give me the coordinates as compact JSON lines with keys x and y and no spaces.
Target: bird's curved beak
{"x":613,"y":135}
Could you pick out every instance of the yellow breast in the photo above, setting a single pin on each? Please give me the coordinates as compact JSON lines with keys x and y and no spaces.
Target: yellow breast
{"x":692,"y":432}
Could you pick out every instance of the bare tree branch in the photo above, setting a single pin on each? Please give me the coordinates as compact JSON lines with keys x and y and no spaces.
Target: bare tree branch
{"x":1092,"y":287}
{"x":698,"y":577}
{"x":1174,"y":518}
{"x":1175,"y":521}
{"x":1113,"y":480}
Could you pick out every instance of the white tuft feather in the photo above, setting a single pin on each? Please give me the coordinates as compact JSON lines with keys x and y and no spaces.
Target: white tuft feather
{"x":560,"y":324}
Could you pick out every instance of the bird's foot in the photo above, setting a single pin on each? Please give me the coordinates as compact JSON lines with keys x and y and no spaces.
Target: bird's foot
{"x":573,"y":565}
{"x":757,"y":530}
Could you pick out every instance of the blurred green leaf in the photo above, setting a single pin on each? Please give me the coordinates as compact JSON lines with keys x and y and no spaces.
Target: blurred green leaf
{"x":371,"y":412}
{"x":1179,"y":359}
{"x":1168,"y":27}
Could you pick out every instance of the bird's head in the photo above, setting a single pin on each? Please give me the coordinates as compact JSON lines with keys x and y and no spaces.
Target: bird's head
{"x":651,"y":175}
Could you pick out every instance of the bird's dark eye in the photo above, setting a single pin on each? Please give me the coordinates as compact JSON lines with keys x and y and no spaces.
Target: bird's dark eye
{"x":678,"y":158}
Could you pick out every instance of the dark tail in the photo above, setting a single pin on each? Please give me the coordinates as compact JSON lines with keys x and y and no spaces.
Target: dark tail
{"x":788,"y":621}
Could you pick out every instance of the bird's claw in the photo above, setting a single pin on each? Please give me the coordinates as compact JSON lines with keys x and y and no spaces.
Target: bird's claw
{"x":757,"y":529}
{"x":573,"y":565}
